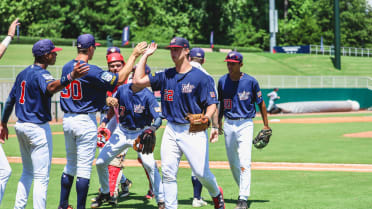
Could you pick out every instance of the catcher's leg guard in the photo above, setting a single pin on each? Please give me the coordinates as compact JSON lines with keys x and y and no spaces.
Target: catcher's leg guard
{"x":113,"y":176}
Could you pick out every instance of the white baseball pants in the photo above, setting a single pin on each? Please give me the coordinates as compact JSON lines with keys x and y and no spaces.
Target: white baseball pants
{"x":35,"y":143}
{"x":177,"y":141}
{"x":5,"y":172}
{"x":238,"y":142}
{"x":120,"y":140}
{"x":81,"y":141}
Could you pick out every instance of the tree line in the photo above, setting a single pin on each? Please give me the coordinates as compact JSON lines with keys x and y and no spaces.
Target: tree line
{"x":234,"y":22}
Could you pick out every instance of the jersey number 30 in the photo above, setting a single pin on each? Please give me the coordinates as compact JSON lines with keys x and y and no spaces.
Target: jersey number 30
{"x":72,"y":90}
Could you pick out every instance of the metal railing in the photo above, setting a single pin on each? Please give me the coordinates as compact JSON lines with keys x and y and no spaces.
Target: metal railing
{"x":345,"y":51}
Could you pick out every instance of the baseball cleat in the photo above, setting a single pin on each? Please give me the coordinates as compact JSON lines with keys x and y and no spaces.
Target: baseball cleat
{"x":196,"y":203}
{"x":161,"y":205}
{"x":100,"y":199}
{"x":218,"y":201}
{"x":125,"y":188}
{"x":242,"y":204}
{"x":150,"y":195}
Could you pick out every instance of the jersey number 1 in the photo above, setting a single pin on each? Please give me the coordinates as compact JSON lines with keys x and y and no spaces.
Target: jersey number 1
{"x":73,"y":90}
{"x":22,"y":98}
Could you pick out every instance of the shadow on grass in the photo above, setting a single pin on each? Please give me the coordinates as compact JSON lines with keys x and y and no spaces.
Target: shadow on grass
{"x":122,"y":202}
{"x":229,"y":201}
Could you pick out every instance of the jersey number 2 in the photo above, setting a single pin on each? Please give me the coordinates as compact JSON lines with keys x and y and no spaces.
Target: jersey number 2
{"x":73,"y":90}
{"x":22,"y":98}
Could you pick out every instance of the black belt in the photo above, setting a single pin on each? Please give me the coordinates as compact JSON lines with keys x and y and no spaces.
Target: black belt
{"x":238,"y":118}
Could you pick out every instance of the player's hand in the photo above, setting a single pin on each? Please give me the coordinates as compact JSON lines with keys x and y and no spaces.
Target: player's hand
{"x":103,"y":125}
{"x":214,"y":135}
{"x":139,"y":49}
{"x":112,"y":102}
{"x":151,"y":49}
{"x":12,"y":27}
{"x":3,"y":132}
{"x":80,"y":70}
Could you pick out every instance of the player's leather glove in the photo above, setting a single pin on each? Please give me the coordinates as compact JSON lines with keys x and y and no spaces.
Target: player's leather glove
{"x":262,"y":138}
{"x":146,"y":141}
{"x":198,"y":122}
{"x":103,"y":136}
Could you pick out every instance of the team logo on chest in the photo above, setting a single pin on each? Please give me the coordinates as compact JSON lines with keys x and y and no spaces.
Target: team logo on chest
{"x":244,"y":95}
{"x":138,"y":108}
{"x":187,"y":88}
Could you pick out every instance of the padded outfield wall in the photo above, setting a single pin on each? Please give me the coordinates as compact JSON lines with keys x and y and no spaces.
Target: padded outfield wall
{"x":361,"y":95}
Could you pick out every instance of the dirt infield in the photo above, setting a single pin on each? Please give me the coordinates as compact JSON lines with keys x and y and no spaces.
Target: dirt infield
{"x":367,"y":134}
{"x":255,"y":165}
{"x":274,"y":165}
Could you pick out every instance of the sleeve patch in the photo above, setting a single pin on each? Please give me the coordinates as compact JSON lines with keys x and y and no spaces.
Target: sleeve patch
{"x":213,"y":95}
{"x":48,"y":77}
{"x":157,"y":109}
{"x":259,"y":94}
{"x":106,"y":76}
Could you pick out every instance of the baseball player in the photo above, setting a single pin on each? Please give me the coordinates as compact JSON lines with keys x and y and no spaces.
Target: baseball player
{"x":31,"y":95}
{"x":80,"y":101}
{"x":238,"y":93}
{"x":115,"y":62}
{"x":196,"y":58}
{"x":184,"y":89}
{"x":273,"y":96}
{"x":5,"y":169}
{"x":138,"y":108}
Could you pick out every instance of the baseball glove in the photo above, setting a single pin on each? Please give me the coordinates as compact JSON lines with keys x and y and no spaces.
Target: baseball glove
{"x":146,"y":141}
{"x":262,"y":138}
{"x":198,"y":122}
{"x":103,"y":136}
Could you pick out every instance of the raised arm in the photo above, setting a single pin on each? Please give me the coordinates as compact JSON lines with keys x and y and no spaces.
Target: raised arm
{"x":137,"y":51}
{"x":140,"y":80}
{"x":8,"y":38}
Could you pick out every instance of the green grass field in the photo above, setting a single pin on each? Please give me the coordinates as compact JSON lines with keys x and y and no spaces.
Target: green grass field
{"x":312,"y":143}
{"x":254,"y":63}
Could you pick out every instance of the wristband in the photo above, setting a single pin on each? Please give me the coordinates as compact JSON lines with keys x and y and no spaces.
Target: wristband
{"x":66,"y":79}
{"x":215,"y":127}
{"x":6,"y":41}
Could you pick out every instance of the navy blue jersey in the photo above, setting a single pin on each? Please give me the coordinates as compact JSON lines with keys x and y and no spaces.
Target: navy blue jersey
{"x":88,"y":93}
{"x":136,"y":110}
{"x":191,"y":92}
{"x":30,"y":95}
{"x":238,"y":97}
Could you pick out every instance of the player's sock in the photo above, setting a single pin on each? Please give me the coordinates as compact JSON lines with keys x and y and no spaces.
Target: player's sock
{"x":197,"y":187}
{"x":82,"y":187}
{"x":123,"y":178}
{"x":66,"y":183}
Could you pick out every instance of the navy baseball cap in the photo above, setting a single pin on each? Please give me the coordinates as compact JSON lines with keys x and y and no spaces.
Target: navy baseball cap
{"x":197,"y":52}
{"x":178,"y":42}
{"x":234,"y":57}
{"x":85,"y":41}
{"x":113,"y":49}
{"x":44,"y":46}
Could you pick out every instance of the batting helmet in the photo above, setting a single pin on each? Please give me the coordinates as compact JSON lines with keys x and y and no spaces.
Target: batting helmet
{"x":115,"y":57}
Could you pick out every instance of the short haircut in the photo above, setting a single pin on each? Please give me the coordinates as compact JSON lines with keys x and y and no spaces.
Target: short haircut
{"x":82,"y":50}
{"x":41,"y":59}
{"x":197,"y":59}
